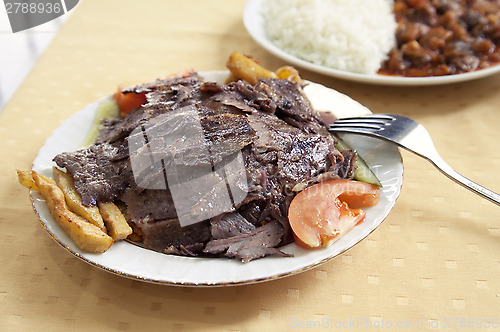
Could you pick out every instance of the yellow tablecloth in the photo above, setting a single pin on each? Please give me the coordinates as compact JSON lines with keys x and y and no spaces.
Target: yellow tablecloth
{"x":433,"y":263}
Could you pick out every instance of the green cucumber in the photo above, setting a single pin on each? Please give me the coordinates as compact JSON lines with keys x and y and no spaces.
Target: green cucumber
{"x":363,"y":173}
{"x":108,"y":108}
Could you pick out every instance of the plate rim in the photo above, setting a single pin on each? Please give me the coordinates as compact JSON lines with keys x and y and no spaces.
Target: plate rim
{"x":244,"y":281}
{"x":252,"y":20}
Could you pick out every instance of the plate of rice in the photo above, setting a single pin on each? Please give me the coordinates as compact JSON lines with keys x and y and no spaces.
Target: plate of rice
{"x":344,"y":39}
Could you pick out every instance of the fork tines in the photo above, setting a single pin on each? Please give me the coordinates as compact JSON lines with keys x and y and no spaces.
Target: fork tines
{"x":368,"y":122}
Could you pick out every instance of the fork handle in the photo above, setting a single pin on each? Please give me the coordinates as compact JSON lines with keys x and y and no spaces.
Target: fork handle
{"x":462,"y":180}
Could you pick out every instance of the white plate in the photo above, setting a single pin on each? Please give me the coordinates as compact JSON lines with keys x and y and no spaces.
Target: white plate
{"x":128,"y":260}
{"x":254,"y":23}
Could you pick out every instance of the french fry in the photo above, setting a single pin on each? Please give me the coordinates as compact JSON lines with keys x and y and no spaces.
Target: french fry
{"x":289,"y":73}
{"x":245,"y":68}
{"x":74,"y":200}
{"x":87,"y":237}
{"x":137,"y":234}
{"x":25,"y":178}
{"x":118,"y":227}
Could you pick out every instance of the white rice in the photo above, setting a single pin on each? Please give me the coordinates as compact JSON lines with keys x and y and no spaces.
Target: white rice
{"x":349,"y":35}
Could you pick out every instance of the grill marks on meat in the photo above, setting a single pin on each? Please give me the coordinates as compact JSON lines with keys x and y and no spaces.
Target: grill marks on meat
{"x":226,"y":134}
{"x":269,"y":128}
{"x":185,"y":137}
{"x":291,"y":106}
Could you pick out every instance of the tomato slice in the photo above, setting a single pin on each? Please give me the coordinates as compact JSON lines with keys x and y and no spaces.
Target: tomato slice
{"x":127,"y":102}
{"x":321,"y":214}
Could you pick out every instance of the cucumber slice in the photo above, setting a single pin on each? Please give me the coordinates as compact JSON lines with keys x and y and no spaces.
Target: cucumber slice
{"x":363,"y":173}
{"x":108,"y":108}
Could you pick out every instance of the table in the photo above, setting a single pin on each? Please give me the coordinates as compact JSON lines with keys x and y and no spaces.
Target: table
{"x":432,"y":264}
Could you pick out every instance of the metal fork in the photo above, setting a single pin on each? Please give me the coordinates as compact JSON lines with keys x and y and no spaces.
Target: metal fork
{"x":412,"y":136}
